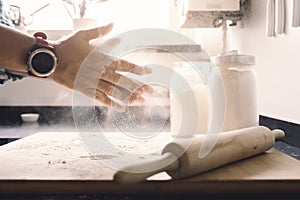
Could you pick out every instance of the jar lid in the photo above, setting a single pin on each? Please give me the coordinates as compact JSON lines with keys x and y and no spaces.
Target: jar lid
{"x":233,"y":58}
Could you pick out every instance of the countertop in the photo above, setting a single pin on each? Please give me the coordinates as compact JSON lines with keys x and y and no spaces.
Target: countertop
{"x":9,"y":133}
{"x":58,"y":163}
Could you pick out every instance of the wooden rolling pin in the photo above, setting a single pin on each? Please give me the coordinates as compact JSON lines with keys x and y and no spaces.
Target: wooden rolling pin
{"x":180,"y":159}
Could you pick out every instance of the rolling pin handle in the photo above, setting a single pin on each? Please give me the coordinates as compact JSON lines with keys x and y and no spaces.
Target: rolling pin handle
{"x":136,"y":173}
{"x":278,"y":134}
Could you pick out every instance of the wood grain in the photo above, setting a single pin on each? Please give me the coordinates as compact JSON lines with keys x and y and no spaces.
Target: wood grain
{"x":58,"y":162}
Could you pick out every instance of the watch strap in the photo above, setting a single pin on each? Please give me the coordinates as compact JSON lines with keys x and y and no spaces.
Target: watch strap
{"x":41,"y":40}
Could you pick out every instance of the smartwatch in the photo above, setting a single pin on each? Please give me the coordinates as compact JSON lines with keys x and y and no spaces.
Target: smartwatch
{"x":41,"y":59}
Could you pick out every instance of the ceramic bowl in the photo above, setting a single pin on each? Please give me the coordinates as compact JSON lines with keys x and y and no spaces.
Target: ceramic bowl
{"x":30,"y":117}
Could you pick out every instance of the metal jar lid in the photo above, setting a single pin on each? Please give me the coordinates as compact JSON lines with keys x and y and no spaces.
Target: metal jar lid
{"x":233,"y":58}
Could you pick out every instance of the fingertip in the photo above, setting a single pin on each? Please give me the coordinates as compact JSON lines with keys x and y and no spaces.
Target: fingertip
{"x":104,"y":30}
{"x":141,"y":70}
{"x":136,"y":98}
{"x":118,"y":108}
{"x":148,"y":89}
{"x":139,"y":91}
{"x":109,"y":26}
{"x":141,"y":100}
{"x":147,"y":70}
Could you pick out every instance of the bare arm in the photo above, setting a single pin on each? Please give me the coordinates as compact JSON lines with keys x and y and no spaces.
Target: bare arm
{"x":92,"y":73}
{"x":14,"y":48}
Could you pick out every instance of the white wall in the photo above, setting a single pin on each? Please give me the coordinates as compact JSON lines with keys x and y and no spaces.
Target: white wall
{"x":277,"y":62}
{"x":277,"y":59}
{"x":131,"y":14}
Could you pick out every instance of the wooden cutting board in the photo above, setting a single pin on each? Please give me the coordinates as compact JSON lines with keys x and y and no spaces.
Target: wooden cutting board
{"x":63,"y":161}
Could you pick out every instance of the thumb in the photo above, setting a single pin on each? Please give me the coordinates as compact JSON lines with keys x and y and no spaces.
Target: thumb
{"x":98,"y":32}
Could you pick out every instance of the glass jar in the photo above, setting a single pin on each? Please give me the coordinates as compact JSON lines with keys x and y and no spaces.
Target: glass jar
{"x":240,"y":85}
{"x":189,"y":100}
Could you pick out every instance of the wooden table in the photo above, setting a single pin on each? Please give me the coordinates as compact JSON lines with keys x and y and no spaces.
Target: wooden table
{"x":61,"y":163}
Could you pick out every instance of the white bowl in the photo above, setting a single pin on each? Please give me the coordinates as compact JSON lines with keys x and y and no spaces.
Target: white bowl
{"x":30,"y":117}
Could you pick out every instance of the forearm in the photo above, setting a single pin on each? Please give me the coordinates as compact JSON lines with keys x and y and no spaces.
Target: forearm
{"x":14,"y":46}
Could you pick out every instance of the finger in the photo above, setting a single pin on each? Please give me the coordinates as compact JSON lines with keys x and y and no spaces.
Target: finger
{"x":136,"y":98}
{"x":104,"y":99}
{"x":125,"y":66}
{"x":122,"y":81}
{"x":115,"y":79}
{"x":147,"y":88}
{"x":119,"y":93}
{"x":114,"y":91}
{"x":106,"y":46}
{"x":148,"y":70}
{"x":97,"y":32}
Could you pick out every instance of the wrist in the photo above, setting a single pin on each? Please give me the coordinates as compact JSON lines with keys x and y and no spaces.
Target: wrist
{"x":12,"y":59}
{"x":57,"y":52}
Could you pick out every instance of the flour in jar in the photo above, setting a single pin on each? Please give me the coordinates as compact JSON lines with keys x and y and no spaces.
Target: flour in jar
{"x":240,"y":85}
{"x":193,"y":99}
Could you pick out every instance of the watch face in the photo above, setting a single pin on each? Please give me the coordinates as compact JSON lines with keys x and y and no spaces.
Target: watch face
{"x":42,"y":62}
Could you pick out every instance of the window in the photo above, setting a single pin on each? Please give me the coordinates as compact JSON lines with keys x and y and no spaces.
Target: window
{"x":126,"y":14}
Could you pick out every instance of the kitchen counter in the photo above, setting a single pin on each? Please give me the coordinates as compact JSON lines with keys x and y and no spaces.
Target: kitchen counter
{"x":60,"y":119}
{"x":58,"y":163}
{"x":11,"y":133}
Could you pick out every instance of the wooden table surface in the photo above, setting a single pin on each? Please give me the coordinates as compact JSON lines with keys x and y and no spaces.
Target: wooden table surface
{"x":65,"y":162}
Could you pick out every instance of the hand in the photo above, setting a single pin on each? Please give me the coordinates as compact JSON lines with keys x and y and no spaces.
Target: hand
{"x":95,"y":74}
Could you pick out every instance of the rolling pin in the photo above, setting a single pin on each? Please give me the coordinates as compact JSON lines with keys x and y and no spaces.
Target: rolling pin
{"x":180,"y":159}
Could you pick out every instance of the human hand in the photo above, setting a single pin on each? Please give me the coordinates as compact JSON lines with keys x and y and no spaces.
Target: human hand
{"x":94,"y":73}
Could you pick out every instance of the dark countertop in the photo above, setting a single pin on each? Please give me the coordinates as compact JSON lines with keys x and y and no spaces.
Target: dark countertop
{"x":26,"y":129}
{"x":288,"y":149}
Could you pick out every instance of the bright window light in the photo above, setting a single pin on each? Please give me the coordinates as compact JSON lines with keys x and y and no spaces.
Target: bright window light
{"x":126,"y":14}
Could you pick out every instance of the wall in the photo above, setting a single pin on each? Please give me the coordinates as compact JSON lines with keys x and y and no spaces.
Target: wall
{"x":277,"y":59}
{"x":277,"y":62}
